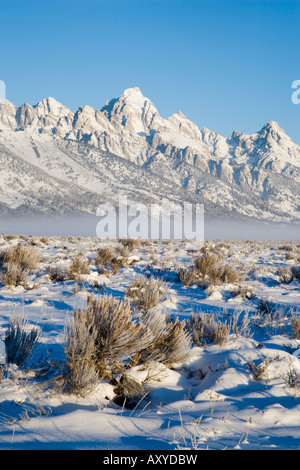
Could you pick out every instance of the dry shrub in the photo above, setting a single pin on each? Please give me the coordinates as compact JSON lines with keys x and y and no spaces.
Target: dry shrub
{"x":208,"y":264}
{"x":105,"y":335}
{"x":288,"y":274}
{"x":188,"y":276}
{"x":259,"y":370}
{"x":26,"y":257}
{"x":105,"y":256}
{"x":212,"y":270}
{"x":103,"y":271}
{"x":243,"y":292}
{"x":17,"y":262}
{"x":295,"y":324}
{"x":209,"y":269}
{"x":241,"y":324}
{"x":228,"y":275}
{"x":171,"y":342}
{"x":285,"y":274}
{"x":130,"y":243}
{"x":108,"y":258}
{"x":266,"y":307}
{"x":292,"y":379}
{"x":19,"y":342}
{"x":103,"y":342}
{"x":78,"y":266}
{"x":128,"y":391}
{"x":14,"y":275}
{"x":272,"y":317}
{"x":286,"y":247}
{"x":146,"y":293}
{"x":295,"y":272}
{"x":205,"y":328}
{"x":117,"y":263}
{"x":80,"y":375}
{"x":58,"y":273}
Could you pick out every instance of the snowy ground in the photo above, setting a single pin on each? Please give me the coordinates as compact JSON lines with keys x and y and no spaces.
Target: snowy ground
{"x":212,"y":401}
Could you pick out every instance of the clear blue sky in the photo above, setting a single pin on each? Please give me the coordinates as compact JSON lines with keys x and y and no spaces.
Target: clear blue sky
{"x":226,"y":64}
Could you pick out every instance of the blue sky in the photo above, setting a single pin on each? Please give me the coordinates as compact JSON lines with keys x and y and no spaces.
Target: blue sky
{"x":226,"y":64}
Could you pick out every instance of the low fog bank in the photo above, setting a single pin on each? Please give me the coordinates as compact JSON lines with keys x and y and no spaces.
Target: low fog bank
{"x":50,"y":226}
{"x":234,"y":230}
{"x":86,"y":226}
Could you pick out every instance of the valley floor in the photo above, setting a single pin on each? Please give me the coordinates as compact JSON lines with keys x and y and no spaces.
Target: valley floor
{"x":241,"y":394}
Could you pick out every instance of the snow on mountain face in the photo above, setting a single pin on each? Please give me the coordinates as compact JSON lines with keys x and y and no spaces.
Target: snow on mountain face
{"x":134,"y":112}
{"x":253,"y":175}
{"x":270,"y":147}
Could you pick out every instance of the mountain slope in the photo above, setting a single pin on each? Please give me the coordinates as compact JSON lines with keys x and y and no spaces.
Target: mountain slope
{"x":54,"y":160}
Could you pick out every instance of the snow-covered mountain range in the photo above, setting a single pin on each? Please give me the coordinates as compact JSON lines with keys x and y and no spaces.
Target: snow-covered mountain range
{"x":58,"y":161}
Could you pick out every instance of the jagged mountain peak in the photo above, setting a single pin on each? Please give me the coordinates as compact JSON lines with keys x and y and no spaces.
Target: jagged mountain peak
{"x":133,"y":94}
{"x":262,"y":169}
{"x":6,"y":105}
{"x":131,"y":127}
{"x":272,"y":132}
{"x":273,"y":138}
{"x":5,"y":102}
{"x":50,"y":106}
{"x":134,"y":98}
{"x":130,"y":96}
{"x":133,"y":111}
{"x":273,"y":125}
{"x":179,"y":114}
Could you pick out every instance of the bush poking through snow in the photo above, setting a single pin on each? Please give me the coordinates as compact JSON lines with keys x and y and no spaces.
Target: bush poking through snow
{"x":209,"y":269}
{"x":295,"y":324}
{"x":266,"y":307}
{"x":14,"y":275}
{"x":58,"y":273}
{"x":288,"y":274}
{"x":78,"y":266}
{"x":105,"y":256}
{"x":108,"y":262}
{"x":259,"y":370}
{"x":171,"y":341}
{"x":241,"y":324}
{"x":205,"y":328}
{"x":146,"y":293}
{"x":244,"y":292}
{"x":24,"y":256}
{"x":104,"y":335}
{"x":61,"y":274}
{"x":130,"y":243}
{"x":188,"y":276}
{"x":128,"y":391}
{"x":80,"y":375}
{"x":19,"y":343}
{"x":212,"y":270}
{"x":17,"y":262}
{"x":296,"y":273}
{"x":103,"y":341}
{"x":292,"y":379}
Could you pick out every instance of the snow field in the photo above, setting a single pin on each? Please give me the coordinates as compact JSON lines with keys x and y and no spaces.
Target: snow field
{"x":234,"y":396}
